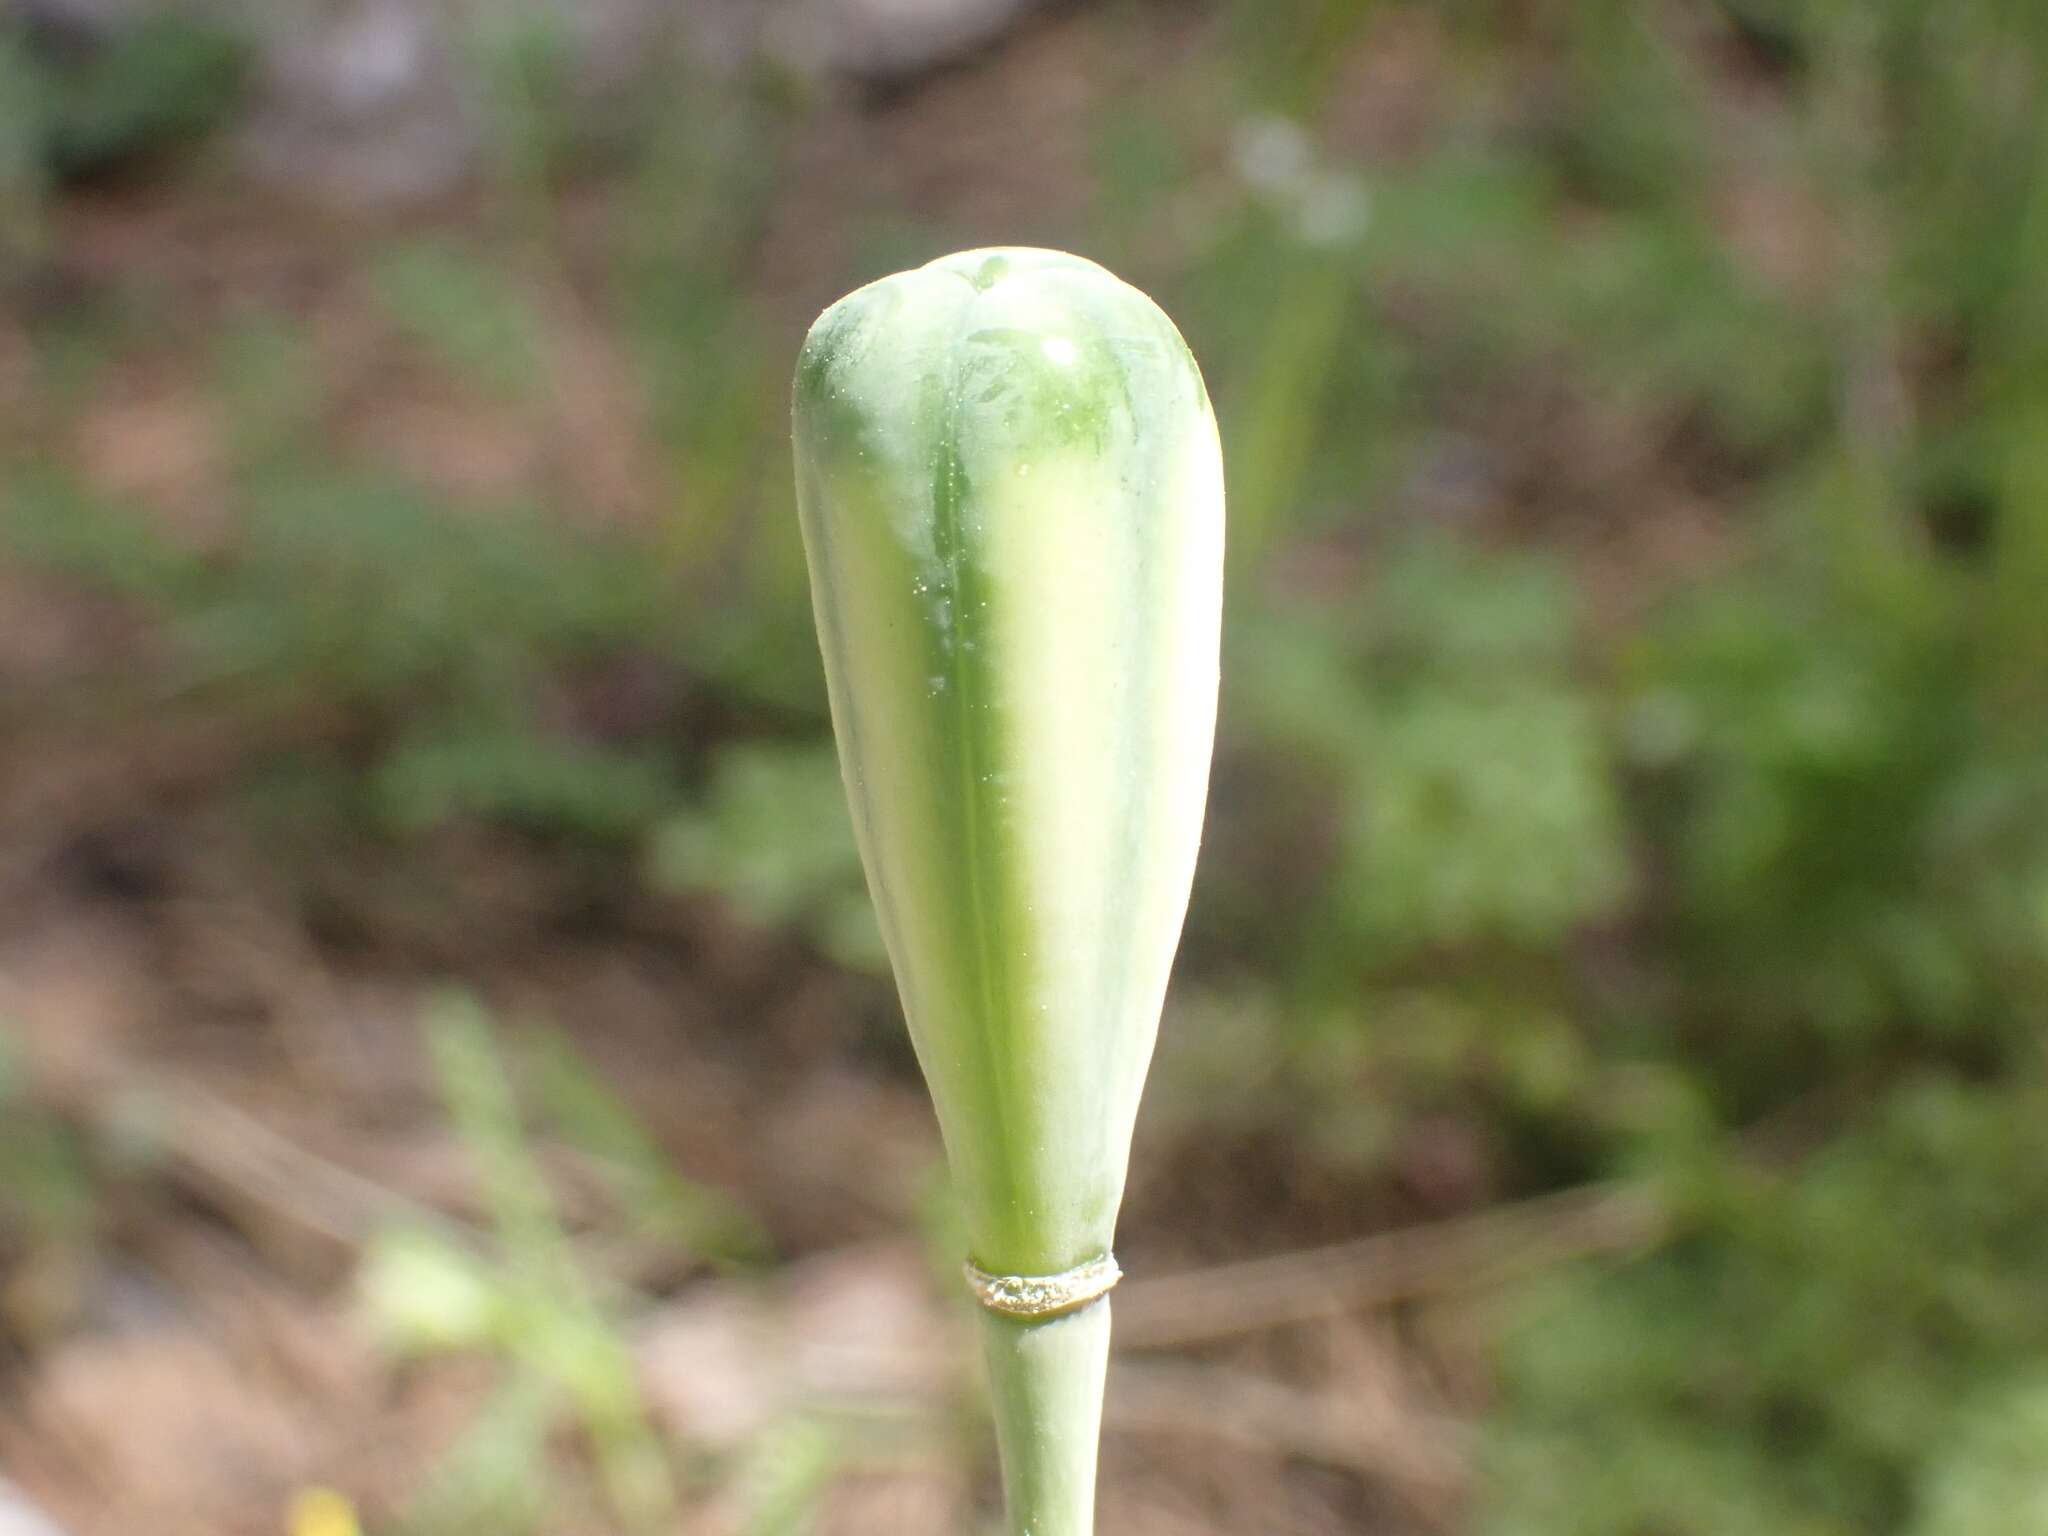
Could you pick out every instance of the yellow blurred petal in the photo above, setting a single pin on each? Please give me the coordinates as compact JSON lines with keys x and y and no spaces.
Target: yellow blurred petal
{"x":322,"y":1512}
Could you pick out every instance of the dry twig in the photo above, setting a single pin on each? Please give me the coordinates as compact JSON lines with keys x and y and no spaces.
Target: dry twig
{"x":1467,"y":1254}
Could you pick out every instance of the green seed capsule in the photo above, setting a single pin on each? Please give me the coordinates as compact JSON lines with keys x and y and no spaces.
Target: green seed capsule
{"x":1012,"y":504}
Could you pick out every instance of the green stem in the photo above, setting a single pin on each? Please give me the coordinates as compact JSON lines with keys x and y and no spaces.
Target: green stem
{"x":1045,"y":1383}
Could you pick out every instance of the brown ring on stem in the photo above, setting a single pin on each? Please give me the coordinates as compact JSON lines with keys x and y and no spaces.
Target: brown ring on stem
{"x":1034,"y":1296}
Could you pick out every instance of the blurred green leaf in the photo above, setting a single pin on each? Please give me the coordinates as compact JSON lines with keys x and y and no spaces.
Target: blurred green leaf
{"x":487,"y":1480}
{"x":464,"y":309}
{"x":1479,"y":797}
{"x":1990,"y":1478}
{"x":662,"y":1204}
{"x":519,"y":777}
{"x":785,"y":1475}
{"x":542,"y":1309}
{"x":427,"y":1295}
{"x":772,"y":836}
{"x":164,"y":75}
{"x":481,"y":1102}
{"x":1862,"y":1306}
{"x":51,"y":519}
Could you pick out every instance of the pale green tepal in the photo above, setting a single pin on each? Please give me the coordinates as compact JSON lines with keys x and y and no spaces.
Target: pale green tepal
{"x":1012,"y":503}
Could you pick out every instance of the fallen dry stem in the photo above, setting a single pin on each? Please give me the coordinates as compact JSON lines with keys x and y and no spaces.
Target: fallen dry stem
{"x":1468,"y":1253}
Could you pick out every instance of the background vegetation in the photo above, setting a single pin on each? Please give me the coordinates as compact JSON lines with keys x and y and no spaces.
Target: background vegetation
{"x":1633,"y":771}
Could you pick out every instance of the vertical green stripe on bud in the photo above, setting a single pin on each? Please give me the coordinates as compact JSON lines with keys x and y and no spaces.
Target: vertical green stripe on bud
{"x":1012,"y":505}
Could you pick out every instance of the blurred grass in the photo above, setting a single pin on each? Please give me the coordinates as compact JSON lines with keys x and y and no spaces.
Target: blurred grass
{"x":1637,"y":422}
{"x":530,"y":1300}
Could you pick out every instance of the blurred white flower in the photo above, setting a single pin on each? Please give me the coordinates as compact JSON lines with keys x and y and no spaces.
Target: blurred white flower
{"x":1275,"y":157}
{"x":1330,"y":208}
{"x":1271,"y":153}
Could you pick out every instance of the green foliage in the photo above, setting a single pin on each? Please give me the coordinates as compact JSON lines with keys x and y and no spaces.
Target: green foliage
{"x":525,"y":1296}
{"x":716,"y":371}
{"x":1439,"y":777}
{"x":53,"y":521}
{"x":447,"y":630}
{"x":1631,"y":130}
{"x":459,"y":305}
{"x":161,"y":80}
{"x":789,"y":1467}
{"x":163,"y":77}
{"x":516,"y":56}
{"x":1838,"y":815}
{"x":772,"y":836}
{"x":1819,"y":1354}
{"x":266,"y":371}
{"x":1478,"y":799}
{"x":167,"y":76}
{"x":1852,"y":814}
{"x":472,"y":607}
{"x":511,"y":775}
{"x":1800,"y":804}
{"x":23,"y":175}
{"x":56,"y":1180}
{"x":656,"y":1201}
{"x":1989,"y":1476}
{"x":47,"y":1186}
{"x":486,"y":1479}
